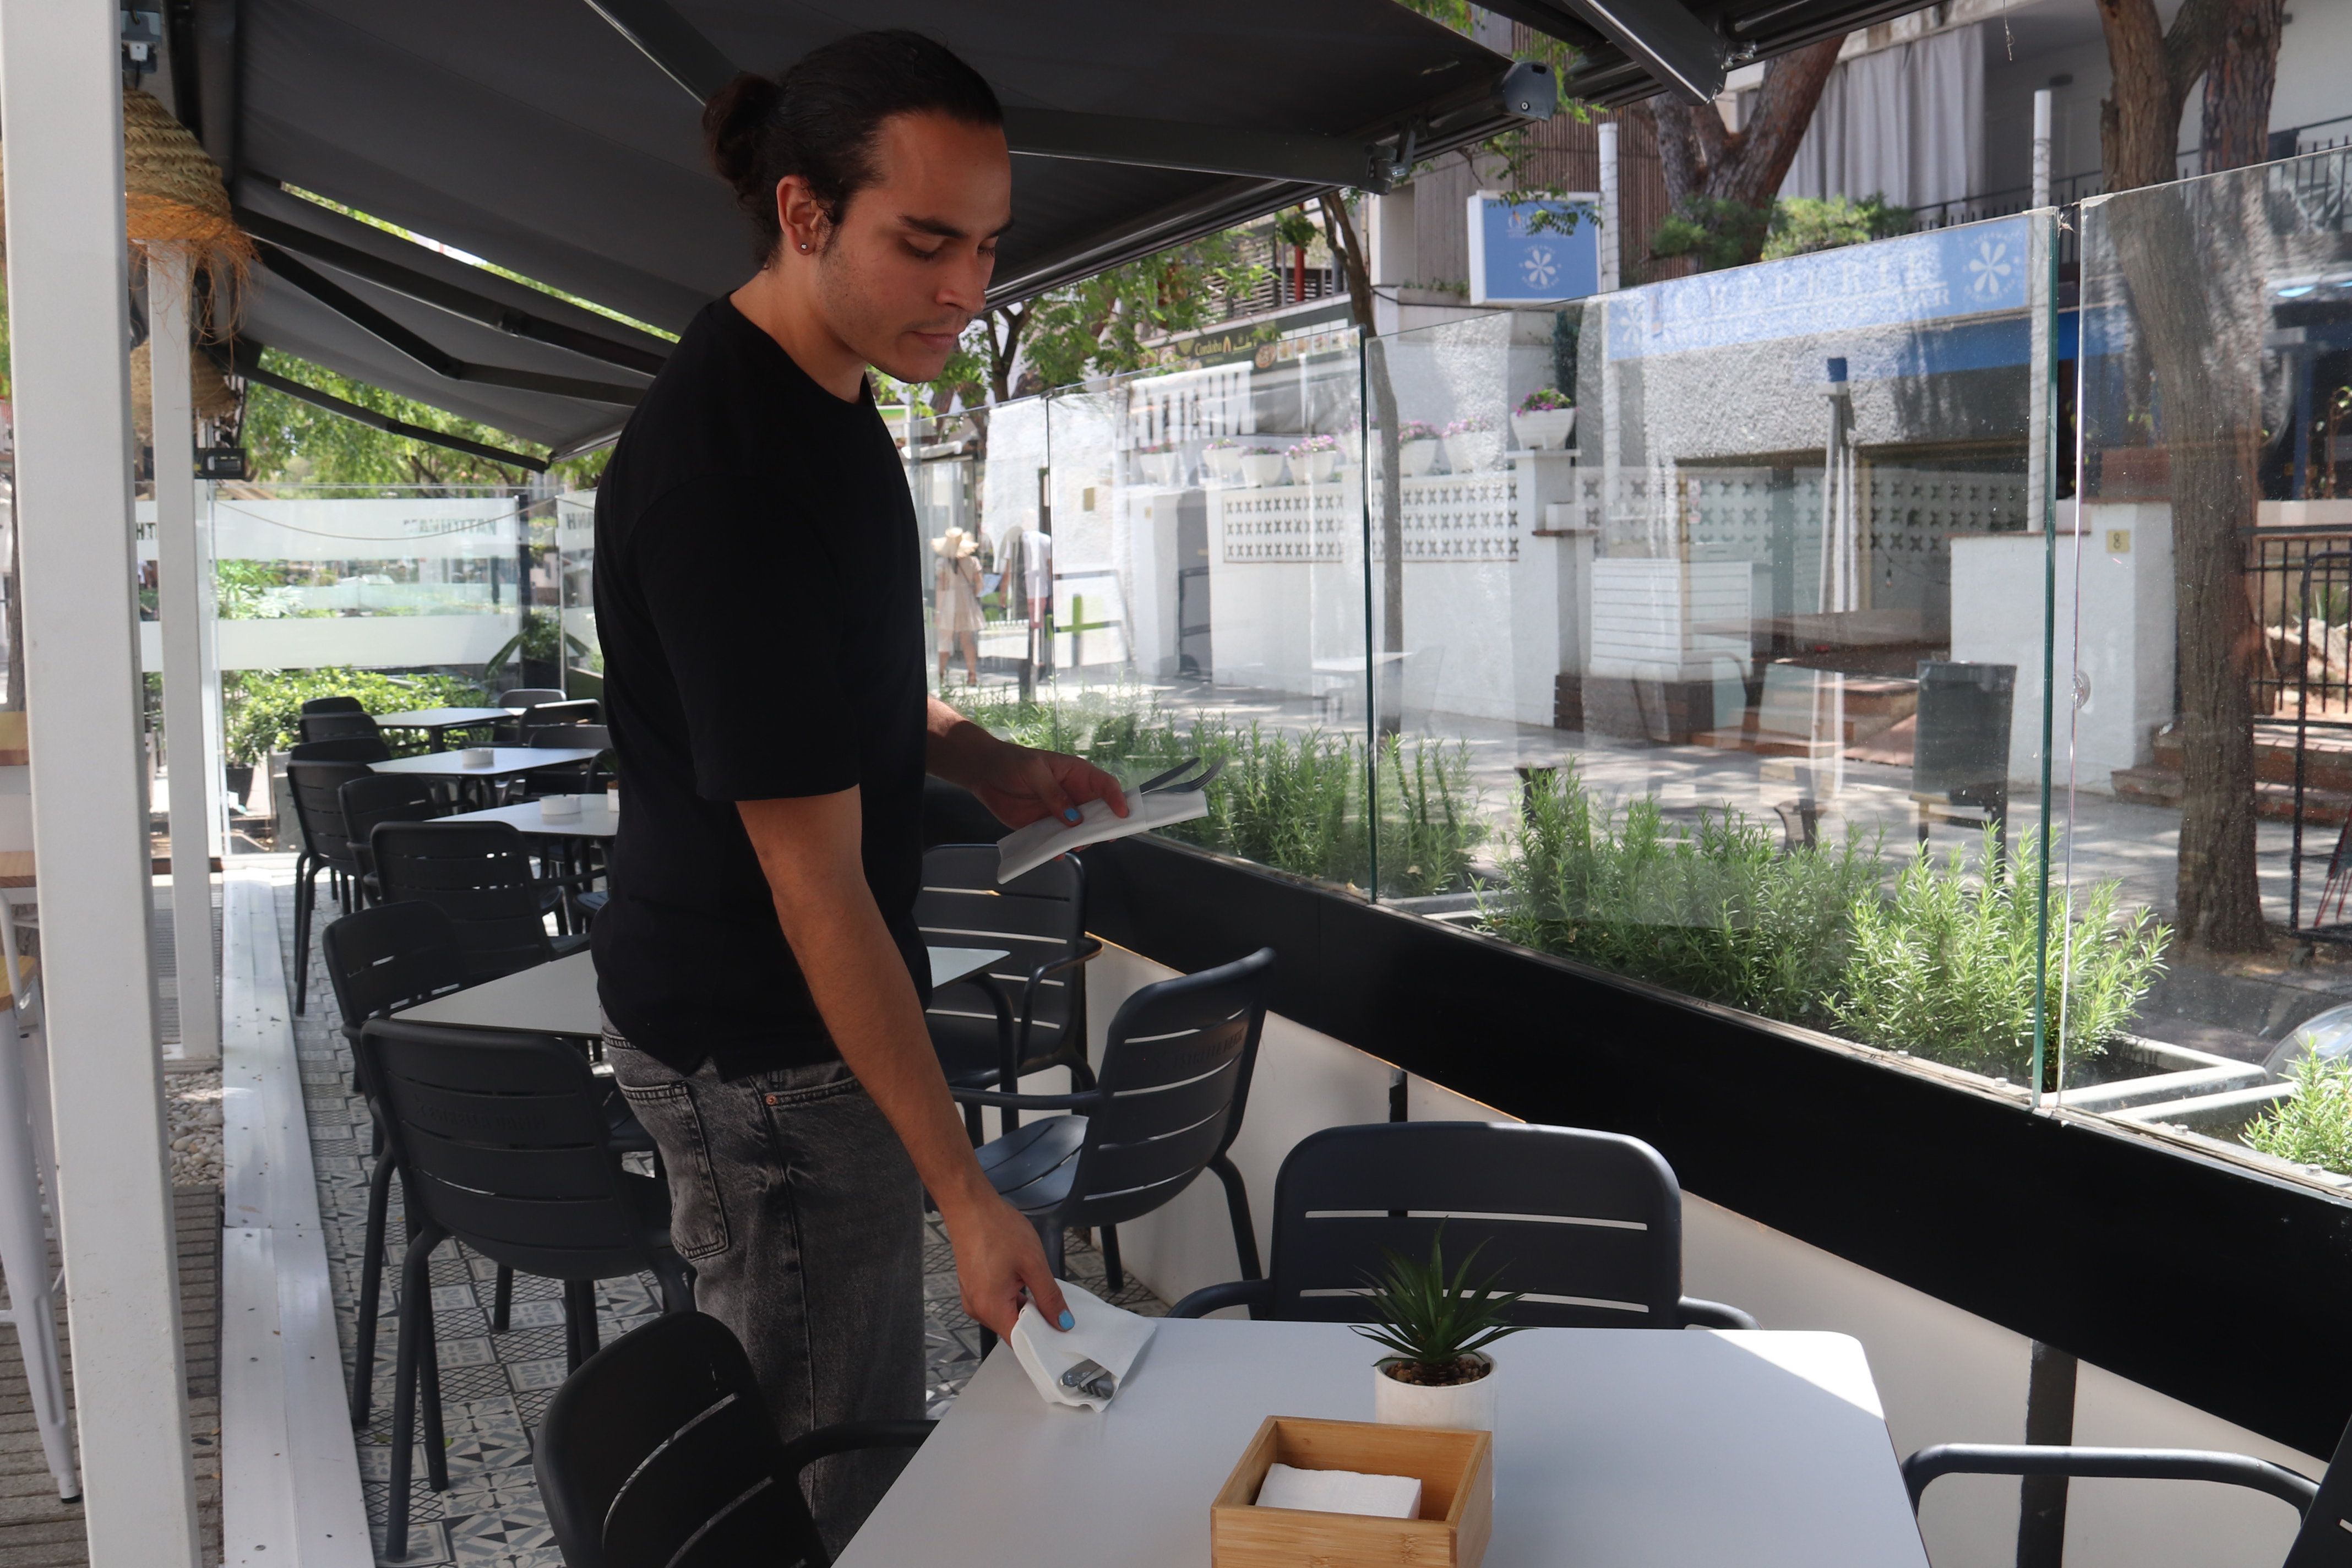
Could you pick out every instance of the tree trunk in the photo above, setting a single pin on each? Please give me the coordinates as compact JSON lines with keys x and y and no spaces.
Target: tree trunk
{"x":1699,"y":158}
{"x":1348,"y":247}
{"x":2238,"y":86}
{"x":2197,"y":297}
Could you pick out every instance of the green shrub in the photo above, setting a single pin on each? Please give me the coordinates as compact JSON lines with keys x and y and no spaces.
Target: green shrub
{"x":1946,"y":968}
{"x":2314,"y":1127}
{"x":1717,"y":912}
{"x":1801,"y":225}
{"x":263,"y":707}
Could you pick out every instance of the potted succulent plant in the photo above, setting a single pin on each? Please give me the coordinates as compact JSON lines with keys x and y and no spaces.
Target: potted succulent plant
{"x":1315,"y":459}
{"x":1546,"y":417}
{"x":1436,"y":1331}
{"x":1417,"y":447}
{"x":1472,"y":444}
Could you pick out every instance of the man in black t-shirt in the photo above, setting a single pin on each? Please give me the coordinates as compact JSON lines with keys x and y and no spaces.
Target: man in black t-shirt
{"x":758,"y":598}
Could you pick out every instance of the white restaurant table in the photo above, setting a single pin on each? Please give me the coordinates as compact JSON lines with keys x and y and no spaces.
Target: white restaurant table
{"x":597,"y":819}
{"x":505,"y":762}
{"x":1613,"y":1448}
{"x":437,"y":721}
{"x":560,"y":998}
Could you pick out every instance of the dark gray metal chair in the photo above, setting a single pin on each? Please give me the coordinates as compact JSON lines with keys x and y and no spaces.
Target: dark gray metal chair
{"x":2324,"y":1542}
{"x":333,"y":705}
{"x":1588,"y":1225}
{"x":376,"y":797}
{"x":1168,"y":1105}
{"x":659,"y":1452}
{"x":984,"y":1037}
{"x":346,"y":749}
{"x":529,"y":696}
{"x":1959,"y":750}
{"x":481,"y":875}
{"x":340,"y":724}
{"x":501,"y":1142}
{"x":316,"y":788}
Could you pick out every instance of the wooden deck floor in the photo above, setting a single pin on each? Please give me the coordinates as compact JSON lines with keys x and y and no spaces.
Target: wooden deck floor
{"x":38,"y":1532}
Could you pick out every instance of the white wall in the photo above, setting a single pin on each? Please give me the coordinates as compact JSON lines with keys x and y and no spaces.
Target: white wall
{"x":1943,"y":1374}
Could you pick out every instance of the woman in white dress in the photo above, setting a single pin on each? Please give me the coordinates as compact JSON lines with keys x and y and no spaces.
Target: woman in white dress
{"x":956,"y":602}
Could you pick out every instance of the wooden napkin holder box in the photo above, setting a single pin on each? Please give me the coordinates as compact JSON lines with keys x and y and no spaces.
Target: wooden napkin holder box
{"x":1457,"y":1498}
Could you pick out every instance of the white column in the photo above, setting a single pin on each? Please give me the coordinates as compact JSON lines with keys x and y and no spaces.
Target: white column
{"x":1610,"y":207}
{"x":61,"y":137}
{"x":2041,"y":172}
{"x":184,"y":597}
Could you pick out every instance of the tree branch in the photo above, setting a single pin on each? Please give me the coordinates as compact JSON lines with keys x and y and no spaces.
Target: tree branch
{"x":2190,"y":43}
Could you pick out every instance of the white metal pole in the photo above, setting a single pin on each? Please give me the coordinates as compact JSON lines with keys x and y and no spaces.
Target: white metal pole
{"x":2041,"y":170}
{"x":184,"y":602}
{"x":61,"y":140}
{"x":1609,"y":238}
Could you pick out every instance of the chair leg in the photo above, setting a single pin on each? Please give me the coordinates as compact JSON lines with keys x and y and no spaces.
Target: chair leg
{"x":1238,"y":1206}
{"x":675,"y":1277}
{"x":972,"y":1127}
{"x":305,"y":874}
{"x":436,"y":1445}
{"x":1114,"y":1276}
{"x":580,"y":1320}
{"x":502,"y":1301}
{"x":415,"y":1325}
{"x":371,"y":1290}
{"x":1049,"y":1231}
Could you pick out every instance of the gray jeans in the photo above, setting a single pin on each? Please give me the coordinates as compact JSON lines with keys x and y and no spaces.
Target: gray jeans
{"x":803,"y":1217}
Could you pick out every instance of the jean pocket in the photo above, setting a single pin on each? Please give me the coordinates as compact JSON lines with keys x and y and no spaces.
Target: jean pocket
{"x":697,"y":1215}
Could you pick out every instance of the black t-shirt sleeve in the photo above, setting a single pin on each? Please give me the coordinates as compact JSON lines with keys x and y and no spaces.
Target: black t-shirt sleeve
{"x":737,"y":588}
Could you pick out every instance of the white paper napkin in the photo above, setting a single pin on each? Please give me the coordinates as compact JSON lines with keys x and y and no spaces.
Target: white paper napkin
{"x":1110,"y":1335}
{"x":1341,"y":1492}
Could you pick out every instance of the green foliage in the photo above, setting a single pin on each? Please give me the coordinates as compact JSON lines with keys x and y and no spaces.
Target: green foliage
{"x":1801,"y":225}
{"x":1717,"y":912}
{"x":1720,"y":233}
{"x":1292,"y":801}
{"x":1423,"y":1317}
{"x":2314,"y":1126}
{"x":279,"y":427}
{"x":255,"y":591}
{"x":263,"y":707}
{"x":1946,"y":969}
{"x":542,"y":640}
{"x":1566,"y":331}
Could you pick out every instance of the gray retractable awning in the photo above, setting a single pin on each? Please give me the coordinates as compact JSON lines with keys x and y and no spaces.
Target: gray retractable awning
{"x":559,"y":138}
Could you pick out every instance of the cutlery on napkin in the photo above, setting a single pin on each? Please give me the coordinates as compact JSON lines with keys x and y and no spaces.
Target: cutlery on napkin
{"x":1099,"y":1350}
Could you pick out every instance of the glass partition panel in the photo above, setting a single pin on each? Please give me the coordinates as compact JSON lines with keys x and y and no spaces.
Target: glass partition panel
{"x":2204,"y":586}
{"x":1710,"y":634}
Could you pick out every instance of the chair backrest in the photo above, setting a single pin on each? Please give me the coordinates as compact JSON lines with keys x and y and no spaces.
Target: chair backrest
{"x":2325,"y":1538}
{"x":1962,"y":732}
{"x":481,"y":876}
{"x":572,"y":735}
{"x":388,"y":956}
{"x":528,"y":696}
{"x":350,"y":749}
{"x":659,"y":1450}
{"x":333,"y":705}
{"x":584,"y":711}
{"x":384,"y":798}
{"x":1037,"y":919}
{"x":339,"y":725}
{"x":317,"y":788}
{"x":1175,"y":1073}
{"x":1588,"y":1224}
{"x":501,"y":1142}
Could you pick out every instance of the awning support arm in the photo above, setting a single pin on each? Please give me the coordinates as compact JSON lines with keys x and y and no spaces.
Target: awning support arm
{"x":248,"y":365}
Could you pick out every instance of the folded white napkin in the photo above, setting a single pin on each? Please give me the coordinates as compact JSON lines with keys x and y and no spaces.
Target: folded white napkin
{"x":1341,"y":1492}
{"x":1110,"y":1335}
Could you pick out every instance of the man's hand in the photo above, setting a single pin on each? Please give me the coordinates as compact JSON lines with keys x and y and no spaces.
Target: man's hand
{"x":1018,"y":784}
{"x":998,"y":1257}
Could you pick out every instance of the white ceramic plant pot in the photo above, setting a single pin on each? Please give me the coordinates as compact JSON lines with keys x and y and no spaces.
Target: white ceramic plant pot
{"x":1541,"y":429}
{"x":1472,"y":451}
{"x":1160,"y":468}
{"x":1225,"y":462}
{"x":1322,"y":465}
{"x":1462,"y":1406}
{"x":1262,"y":469}
{"x":1415,"y":457}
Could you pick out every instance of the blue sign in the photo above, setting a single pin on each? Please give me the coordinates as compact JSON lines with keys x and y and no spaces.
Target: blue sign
{"x":1517,"y":260}
{"x":1979,"y":269}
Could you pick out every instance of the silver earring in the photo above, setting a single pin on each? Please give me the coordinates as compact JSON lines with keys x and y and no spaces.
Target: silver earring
{"x":804,"y":244}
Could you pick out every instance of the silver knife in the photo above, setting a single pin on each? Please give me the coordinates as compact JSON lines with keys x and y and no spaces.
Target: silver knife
{"x":1091,"y":1378}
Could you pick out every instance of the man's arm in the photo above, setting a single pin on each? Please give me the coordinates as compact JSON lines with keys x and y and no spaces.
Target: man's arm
{"x":1016,"y":783}
{"x":809,"y":848}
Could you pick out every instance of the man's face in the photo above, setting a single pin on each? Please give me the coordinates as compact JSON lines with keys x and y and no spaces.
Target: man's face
{"x":907,"y":267}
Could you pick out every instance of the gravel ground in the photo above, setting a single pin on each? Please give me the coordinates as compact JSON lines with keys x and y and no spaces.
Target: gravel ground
{"x":194,"y":1103}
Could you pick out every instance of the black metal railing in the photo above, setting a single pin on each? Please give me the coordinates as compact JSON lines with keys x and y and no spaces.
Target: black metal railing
{"x":2300,"y":580}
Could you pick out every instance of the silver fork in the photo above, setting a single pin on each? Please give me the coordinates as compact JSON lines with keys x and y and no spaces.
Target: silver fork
{"x":1091,"y":1378}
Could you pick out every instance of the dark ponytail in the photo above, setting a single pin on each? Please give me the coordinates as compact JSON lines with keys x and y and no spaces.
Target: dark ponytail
{"x":819,"y":120}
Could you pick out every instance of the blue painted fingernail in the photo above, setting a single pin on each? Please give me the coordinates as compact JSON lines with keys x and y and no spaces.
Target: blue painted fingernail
{"x":1068,"y":1321}
{"x":1069,"y":814}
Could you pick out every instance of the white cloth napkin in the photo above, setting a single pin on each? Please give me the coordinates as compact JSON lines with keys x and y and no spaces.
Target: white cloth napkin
{"x":1341,"y":1492}
{"x":1110,"y":1335}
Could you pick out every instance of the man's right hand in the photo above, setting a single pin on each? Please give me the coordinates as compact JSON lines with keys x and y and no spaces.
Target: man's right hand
{"x":1000,"y":1263}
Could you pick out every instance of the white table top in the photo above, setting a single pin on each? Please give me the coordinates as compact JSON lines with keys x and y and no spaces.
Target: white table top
{"x":1613,"y":1448}
{"x":443,"y":718}
{"x":597,"y":819}
{"x":504,"y":761}
{"x":560,"y":998}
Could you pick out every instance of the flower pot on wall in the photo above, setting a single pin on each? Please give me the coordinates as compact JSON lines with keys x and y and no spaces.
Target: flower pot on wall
{"x":1473,"y":450}
{"x":1226,"y":463}
{"x":1416,"y":457}
{"x":1464,"y":1406}
{"x":1321,"y":466}
{"x":1541,"y":429}
{"x":1262,"y":469}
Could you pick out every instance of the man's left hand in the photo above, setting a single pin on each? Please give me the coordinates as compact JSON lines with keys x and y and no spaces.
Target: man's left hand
{"x":1021,"y":785}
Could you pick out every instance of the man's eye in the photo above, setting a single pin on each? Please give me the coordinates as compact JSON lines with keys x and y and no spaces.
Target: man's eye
{"x":930,"y":255}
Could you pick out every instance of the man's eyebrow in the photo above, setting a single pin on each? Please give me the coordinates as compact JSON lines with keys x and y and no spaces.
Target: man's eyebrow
{"x":945,"y":229}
